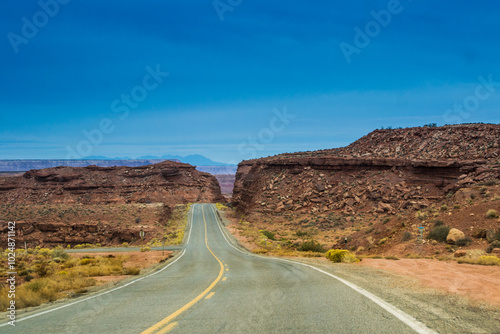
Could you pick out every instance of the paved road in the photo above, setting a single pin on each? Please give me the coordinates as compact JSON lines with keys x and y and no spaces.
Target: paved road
{"x":212,"y":287}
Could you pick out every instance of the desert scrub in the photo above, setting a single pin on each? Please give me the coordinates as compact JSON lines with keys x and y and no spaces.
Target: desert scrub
{"x":439,"y":232}
{"x":406,"y":236}
{"x":46,"y":275}
{"x":341,"y":255}
{"x":492,"y":214}
{"x":176,"y":225}
{"x":485,"y":260}
{"x":493,"y":245}
{"x":463,"y":242}
{"x":311,"y":246}
{"x":43,"y":290}
{"x":421,"y":215}
{"x":268,"y":234}
{"x":221,"y":206}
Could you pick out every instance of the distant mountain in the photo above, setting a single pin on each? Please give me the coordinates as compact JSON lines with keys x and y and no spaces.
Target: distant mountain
{"x":25,"y":165}
{"x":100,"y":157}
{"x":203,"y":163}
{"x":194,"y":159}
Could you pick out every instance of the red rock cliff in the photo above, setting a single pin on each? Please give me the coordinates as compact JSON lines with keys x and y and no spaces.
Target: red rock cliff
{"x":386,"y":170}
{"x":167,"y":182}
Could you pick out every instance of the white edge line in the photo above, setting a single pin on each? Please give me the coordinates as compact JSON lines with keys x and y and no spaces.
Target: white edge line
{"x":109,"y":291}
{"x":407,"y":319}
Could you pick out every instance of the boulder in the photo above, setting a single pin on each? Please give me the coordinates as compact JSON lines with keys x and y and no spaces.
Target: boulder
{"x":495,"y":251}
{"x":481,"y":233}
{"x":460,"y":253}
{"x":454,"y":235}
{"x":490,"y":236}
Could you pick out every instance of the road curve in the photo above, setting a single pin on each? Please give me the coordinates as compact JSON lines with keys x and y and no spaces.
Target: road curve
{"x":213,"y":287}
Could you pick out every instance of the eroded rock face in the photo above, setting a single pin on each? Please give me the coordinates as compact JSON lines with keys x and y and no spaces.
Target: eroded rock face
{"x":383,"y":172}
{"x":55,"y":234}
{"x":167,"y":182}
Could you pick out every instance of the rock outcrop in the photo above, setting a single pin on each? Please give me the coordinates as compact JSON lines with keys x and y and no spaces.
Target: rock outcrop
{"x":385,"y":171}
{"x":166,"y":182}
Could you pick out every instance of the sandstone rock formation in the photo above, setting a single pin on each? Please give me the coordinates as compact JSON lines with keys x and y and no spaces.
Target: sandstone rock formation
{"x":385,"y":171}
{"x":454,"y":235}
{"x":167,"y":182}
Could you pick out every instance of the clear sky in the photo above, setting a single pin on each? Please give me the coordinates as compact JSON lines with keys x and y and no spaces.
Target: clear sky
{"x":237,"y":79}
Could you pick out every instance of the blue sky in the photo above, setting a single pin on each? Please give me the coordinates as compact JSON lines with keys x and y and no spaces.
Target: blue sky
{"x":267,"y":78}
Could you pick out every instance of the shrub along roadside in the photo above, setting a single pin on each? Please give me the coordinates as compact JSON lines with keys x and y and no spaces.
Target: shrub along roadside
{"x":484,"y":260}
{"x":311,"y":246}
{"x":341,"y":255}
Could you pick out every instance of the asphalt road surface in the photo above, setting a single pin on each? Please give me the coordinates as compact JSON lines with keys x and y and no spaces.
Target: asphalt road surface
{"x":213,"y":287}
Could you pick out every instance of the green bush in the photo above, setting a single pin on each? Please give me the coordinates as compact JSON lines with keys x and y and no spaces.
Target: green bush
{"x":311,"y":246}
{"x":300,"y":233}
{"x":439,"y":232}
{"x":494,"y":244}
{"x":341,"y":255}
{"x":497,"y":234}
{"x":438,"y":222}
{"x":268,"y":234}
{"x":60,"y":253}
{"x":463,"y":242}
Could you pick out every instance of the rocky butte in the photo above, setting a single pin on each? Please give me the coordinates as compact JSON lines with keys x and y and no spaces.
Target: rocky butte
{"x":384,"y":173}
{"x":167,"y":182}
{"x":106,"y":205}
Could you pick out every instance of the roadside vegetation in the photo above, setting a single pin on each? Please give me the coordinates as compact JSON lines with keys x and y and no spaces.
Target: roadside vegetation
{"x":221,"y":206}
{"x":341,"y":256}
{"x":484,"y":260}
{"x":174,"y":229}
{"x":45,"y":275}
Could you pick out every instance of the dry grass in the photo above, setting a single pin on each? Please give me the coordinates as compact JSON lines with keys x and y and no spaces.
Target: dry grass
{"x":174,"y":229}
{"x":46,"y":275}
{"x":221,"y":206}
{"x":484,"y":260}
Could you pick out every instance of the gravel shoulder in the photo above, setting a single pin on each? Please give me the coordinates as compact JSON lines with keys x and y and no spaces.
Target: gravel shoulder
{"x":444,"y":312}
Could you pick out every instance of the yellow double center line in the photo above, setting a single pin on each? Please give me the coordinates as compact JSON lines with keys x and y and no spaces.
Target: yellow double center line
{"x":165,"y":325}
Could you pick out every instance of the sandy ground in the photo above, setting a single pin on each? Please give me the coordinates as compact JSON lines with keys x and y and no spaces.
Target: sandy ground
{"x":473,"y":281}
{"x":140,"y":260}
